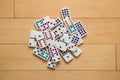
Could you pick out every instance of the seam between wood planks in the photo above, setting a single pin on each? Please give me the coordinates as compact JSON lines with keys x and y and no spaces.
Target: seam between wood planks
{"x":13,"y":9}
{"x":82,"y":44}
{"x":59,"y":70}
{"x":116,"y":56}
{"x":55,"y":17}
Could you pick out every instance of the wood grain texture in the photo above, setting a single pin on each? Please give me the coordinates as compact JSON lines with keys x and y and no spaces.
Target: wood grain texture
{"x":118,"y":56}
{"x":78,"y":8}
{"x":94,"y":57}
{"x":100,"y":58}
{"x":61,"y":75}
{"x":99,"y":30}
{"x":6,"y":9}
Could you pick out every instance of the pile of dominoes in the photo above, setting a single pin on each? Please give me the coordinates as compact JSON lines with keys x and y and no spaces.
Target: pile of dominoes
{"x":55,"y":37}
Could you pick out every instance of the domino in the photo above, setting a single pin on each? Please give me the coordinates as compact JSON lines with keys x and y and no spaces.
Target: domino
{"x":41,"y":53}
{"x":76,"y":40}
{"x":56,"y":57}
{"x":47,"y":34}
{"x":77,"y":52}
{"x":65,"y":12}
{"x":80,"y":41}
{"x":52,"y":24}
{"x":44,"y":27}
{"x":66,"y":55}
{"x":72,"y":29}
{"x":51,"y":64}
{"x":81,"y":30}
{"x":61,"y":45}
{"x":53,"y":49}
{"x":42,"y":43}
{"x":53,"y":36}
{"x":64,"y":29}
{"x":54,"y":54}
{"x":39,"y":36}
{"x":36,"y":50}
{"x":72,"y":47}
{"x":66,"y":38}
{"x":39,"y":22}
{"x":33,"y":33}
{"x":32,"y":43}
{"x":58,"y":31}
{"x":50,"y":42}
{"x":68,"y":21}
{"x":58,"y":22}
{"x":66,"y":16}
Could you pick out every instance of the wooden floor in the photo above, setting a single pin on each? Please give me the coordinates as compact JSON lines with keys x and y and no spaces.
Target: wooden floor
{"x":100,"y":59}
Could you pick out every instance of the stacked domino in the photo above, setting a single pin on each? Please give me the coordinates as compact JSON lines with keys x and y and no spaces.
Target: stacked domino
{"x":55,"y":37}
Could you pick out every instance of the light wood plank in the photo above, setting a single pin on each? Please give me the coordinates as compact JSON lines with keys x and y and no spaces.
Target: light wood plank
{"x":6,"y":8}
{"x":15,"y":30}
{"x":99,"y":30}
{"x":94,"y":57}
{"x":78,"y":8}
{"x":118,"y":56}
{"x":62,"y":75}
